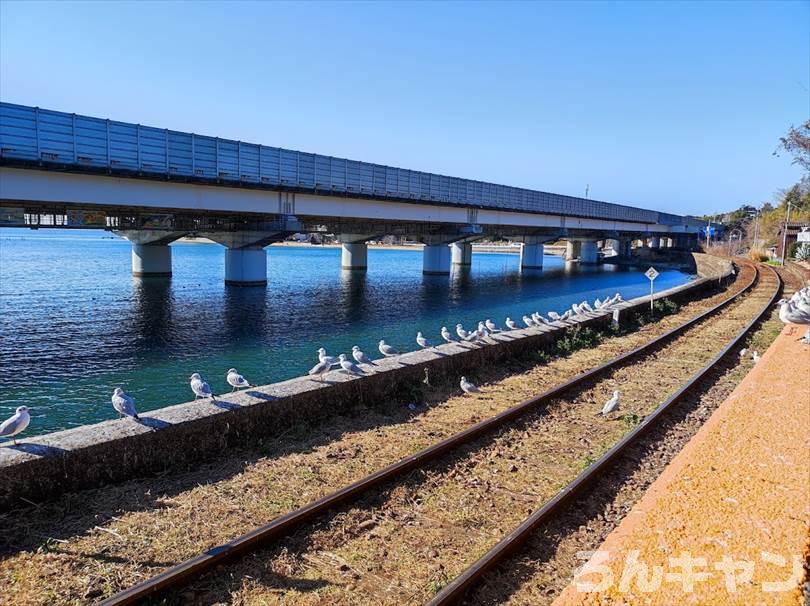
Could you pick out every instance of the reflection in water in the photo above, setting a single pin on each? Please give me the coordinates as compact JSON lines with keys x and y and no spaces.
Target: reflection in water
{"x":65,"y":345}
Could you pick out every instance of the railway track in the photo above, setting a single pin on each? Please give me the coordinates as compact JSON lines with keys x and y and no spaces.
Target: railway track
{"x":563,"y":400}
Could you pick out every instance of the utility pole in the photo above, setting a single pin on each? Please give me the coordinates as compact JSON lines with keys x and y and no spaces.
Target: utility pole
{"x":587,"y":189}
{"x":784,"y":233}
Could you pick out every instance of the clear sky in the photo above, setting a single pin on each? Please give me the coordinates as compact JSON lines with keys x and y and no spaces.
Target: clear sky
{"x":675,"y":106}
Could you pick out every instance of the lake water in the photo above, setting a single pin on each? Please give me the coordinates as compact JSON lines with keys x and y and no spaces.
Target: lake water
{"x":74,"y":323}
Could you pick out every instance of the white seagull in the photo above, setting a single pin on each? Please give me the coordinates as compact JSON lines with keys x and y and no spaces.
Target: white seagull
{"x":755,"y":357}
{"x":15,"y":424}
{"x":553,"y":316}
{"x":460,"y":331}
{"x":124,"y":404}
{"x":333,"y":361}
{"x":468,"y":387}
{"x":576,"y":309}
{"x":611,"y":404}
{"x":528,"y":321}
{"x":200,"y":388}
{"x":567,"y":315}
{"x":585,"y":306}
{"x":491,"y":325}
{"x":320,"y":369}
{"x":360,"y":356}
{"x":386,"y":349}
{"x":236,"y":380}
{"x":350,"y":367}
{"x":421,"y":340}
{"x":743,"y":351}
{"x":597,"y":303}
{"x":511,"y":324}
{"x":447,"y":336}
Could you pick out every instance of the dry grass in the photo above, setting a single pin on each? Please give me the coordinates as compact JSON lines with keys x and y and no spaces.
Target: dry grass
{"x":89,"y":545}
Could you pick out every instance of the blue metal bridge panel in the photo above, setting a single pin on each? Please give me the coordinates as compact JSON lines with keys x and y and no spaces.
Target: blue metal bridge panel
{"x":45,"y":137}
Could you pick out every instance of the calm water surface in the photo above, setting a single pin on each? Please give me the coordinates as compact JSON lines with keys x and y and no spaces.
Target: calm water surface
{"x":74,"y":323}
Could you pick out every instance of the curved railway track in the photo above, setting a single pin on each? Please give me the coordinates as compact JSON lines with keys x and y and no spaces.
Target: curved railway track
{"x":767,"y":285}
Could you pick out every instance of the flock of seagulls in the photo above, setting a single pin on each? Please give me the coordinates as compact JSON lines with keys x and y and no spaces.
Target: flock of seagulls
{"x":796,"y":310}
{"x":124,"y":404}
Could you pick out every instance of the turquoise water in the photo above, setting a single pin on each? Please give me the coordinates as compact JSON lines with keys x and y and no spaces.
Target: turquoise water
{"x":74,"y":323}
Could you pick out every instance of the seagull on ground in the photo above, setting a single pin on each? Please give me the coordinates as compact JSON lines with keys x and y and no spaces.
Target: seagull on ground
{"x":461,"y":332}
{"x":124,"y":404}
{"x":793,"y":311}
{"x":386,"y":349}
{"x":447,"y":336}
{"x":200,"y":388}
{"x":567,"y":315}
{"x":333,"y":361}
{"x":539,"y":319}
{"x":585,"y":306}
{"x":611,"y":404}
{"x":491,"y":325}
{"x":350,"y":367}
{"x":755,"y":357}
{"x":360,"y":356}
{"x":554,"y":316}
{"x":473,"y":336}
{"x":528,"y":321}
{"x":235,"y":380}
{"x":576,"y":309}
{"x":743,"y":351}
{"x":421,"y":340}
{"x":598,"y":303}
{"x":510,"y":323}
{"x":15,"y":424}
{"x":468,"y":387}
{"x":320,"y":369}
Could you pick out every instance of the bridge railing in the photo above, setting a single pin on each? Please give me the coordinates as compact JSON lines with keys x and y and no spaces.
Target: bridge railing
{"x":46,"y":137}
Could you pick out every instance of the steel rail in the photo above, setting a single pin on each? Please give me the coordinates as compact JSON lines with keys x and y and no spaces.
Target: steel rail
{"x":454,"y":592}
{"x":282,"y":525}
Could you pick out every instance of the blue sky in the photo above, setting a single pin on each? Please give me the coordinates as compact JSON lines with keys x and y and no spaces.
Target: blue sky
{"x":674,"y":106}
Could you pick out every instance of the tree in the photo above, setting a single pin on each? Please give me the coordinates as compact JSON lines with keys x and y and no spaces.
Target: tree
{"x":797,"y":143}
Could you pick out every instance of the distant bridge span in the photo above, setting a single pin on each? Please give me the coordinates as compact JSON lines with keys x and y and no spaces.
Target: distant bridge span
{"x":156,"y":185}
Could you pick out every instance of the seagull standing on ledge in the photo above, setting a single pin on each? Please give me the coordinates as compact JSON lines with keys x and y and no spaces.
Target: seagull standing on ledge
{"x":200,"y":388}
{"x":528,"y":321}
{"x":321,"y":368}
{"x":236,"y":380}
{"x":360,"y":356}
{"x":124,"y":404}
{"x":350,"y":367}
{"x":421,"y":340}
{"x":611,"y":404}
{"x":447,"y":336}
{"x":16,"y":424}
{"x":386,"y":349}
{"x":491,"y":325}
{"x":554,"y":316}
{"x":468,"y":387}
{"x":460,"y":331}
{"x":333,"y":361}
{"x":510,"y":323}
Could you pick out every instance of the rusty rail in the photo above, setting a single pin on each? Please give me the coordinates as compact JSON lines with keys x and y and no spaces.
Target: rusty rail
{"x":453,"y":592}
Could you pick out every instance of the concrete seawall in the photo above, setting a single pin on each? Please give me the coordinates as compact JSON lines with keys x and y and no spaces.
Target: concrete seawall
{"x":45,"y":466}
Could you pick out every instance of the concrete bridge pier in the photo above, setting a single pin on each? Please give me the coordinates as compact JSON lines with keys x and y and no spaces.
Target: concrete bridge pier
{"x":436,"y":259}
{"x":461,"y":253}
{"x":151,"y":253}
{"x":245,"y":257}
{"x":588,"y":252}
{"x":354,"y":251}
{"x":246,"y":266}
{"x":531,"y":253}
{"x":572,"y":250}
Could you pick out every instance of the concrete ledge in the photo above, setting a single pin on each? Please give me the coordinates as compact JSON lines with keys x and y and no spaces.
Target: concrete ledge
{"x":170,"y":438}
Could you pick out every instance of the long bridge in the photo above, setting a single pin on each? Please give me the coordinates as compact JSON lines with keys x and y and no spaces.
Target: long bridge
{"x":154,"y":185}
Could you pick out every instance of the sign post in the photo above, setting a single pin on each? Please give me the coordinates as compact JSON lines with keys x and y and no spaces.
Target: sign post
{"x":651,"y":274}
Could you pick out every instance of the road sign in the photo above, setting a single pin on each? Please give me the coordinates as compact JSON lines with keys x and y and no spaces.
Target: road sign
{"x":651,"y":274}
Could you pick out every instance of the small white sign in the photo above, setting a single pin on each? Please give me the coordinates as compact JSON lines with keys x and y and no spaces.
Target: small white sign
{"x":651,"y":273}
